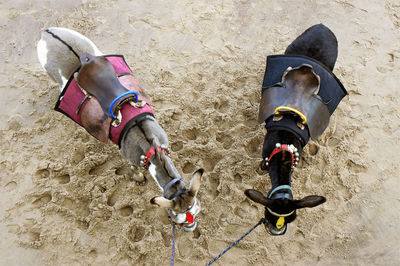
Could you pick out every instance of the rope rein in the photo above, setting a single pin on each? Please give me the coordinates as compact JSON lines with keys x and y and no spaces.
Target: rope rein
{"x":235,"y":243}
{"x":173,"y":245}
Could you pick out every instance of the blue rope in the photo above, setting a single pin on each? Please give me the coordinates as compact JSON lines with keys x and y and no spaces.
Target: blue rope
{"x":234,"y":243}
{"x":173,"y":244}
{"x":119,"y":97}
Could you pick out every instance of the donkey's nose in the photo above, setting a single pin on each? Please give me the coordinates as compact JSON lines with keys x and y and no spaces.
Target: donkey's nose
{"x":86,"y":58}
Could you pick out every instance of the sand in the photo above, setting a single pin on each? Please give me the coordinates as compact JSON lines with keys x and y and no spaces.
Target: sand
{"x":67,"y":199}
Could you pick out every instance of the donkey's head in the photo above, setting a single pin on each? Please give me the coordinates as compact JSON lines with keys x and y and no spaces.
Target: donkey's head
{"x":280,"y":208}
{"x":181,"y":201}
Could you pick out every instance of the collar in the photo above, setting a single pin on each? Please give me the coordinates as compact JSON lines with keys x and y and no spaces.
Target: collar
{"x":284,"y":147}
{"x":145,"y":159}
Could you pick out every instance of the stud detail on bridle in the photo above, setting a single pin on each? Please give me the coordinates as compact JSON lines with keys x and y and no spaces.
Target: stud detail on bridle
{"x":284,"y":147}
{"x":145,"y":159}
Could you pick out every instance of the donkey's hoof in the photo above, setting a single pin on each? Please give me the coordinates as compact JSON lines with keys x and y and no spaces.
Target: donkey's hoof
{"x":190,"y":228}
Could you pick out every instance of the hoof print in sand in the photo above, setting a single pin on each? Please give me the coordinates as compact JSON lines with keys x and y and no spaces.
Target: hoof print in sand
{"x":125,"y":211}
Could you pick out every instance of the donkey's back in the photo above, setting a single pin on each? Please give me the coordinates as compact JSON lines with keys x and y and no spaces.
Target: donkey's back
{"x":59,"y":49}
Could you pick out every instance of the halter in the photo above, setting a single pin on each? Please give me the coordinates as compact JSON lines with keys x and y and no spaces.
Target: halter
{"x":190,"y":213}
{"x":145,"y":159}
{"x":281,"y":217}
{"x":295,"y":156}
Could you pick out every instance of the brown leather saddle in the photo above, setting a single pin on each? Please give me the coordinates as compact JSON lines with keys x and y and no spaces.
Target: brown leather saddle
{"x":98,"y":78}
{"x":297,"y":95}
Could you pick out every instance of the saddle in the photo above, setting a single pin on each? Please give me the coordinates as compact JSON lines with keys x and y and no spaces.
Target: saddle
{"x":93,"y":99}
{"x":98,"y":78}
{"x":296,"y":94}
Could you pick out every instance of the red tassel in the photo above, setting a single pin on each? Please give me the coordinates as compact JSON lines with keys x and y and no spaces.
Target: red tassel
{"x":189,"y":217}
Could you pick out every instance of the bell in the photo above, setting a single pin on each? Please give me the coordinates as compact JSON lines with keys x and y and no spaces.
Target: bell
{"x":142,"y":157}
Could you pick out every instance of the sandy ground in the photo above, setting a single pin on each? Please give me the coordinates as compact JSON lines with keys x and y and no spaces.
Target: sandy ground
{"x":67,"y":199}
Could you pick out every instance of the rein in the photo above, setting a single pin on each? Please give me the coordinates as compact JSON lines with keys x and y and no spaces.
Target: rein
{"x":173,"y":244}
{"x":235,"y":243}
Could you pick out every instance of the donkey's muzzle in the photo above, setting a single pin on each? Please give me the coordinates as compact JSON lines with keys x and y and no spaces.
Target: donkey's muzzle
{"x":272,"y":230}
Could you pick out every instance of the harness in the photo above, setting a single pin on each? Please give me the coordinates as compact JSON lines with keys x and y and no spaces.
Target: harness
{"x":86,"y":111}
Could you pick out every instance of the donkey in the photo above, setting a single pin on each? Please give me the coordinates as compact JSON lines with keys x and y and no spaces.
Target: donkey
{"x":100,"y":93}
{"x":299,"y":94}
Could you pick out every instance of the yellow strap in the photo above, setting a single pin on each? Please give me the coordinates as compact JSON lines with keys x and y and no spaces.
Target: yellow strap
{"x":280,"y":215}
{"x":286,"y":108}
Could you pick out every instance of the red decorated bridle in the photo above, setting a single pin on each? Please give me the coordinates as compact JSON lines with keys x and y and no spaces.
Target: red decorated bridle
{"x":294,"y":154}
{"x":145,"y":159}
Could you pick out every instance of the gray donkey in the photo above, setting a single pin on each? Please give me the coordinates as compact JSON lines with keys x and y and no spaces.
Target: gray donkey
{"x":100,"y":93}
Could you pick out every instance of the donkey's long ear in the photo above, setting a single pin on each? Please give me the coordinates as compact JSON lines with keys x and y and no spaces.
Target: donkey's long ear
{"x":309,"y":202}
{"x":195,"y":182}
{"x":258,"y":197}
{"x":162,"y":202}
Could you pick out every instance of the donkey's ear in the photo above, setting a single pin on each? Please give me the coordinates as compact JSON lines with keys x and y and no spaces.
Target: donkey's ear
{"x":258,"y":197}
{"x":309,"y":202}
{"x":195,"y":182}
{"x":162,"y":202}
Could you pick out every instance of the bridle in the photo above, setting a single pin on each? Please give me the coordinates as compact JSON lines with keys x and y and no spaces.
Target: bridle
{"x":188,"y":222}
{"x":186,"y":218}
{"x":145,"y":159}
{"x":295,"y":156}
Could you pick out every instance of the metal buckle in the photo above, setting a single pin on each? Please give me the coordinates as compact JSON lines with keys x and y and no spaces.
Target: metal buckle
{"x":117,"y":121}
{"x":139,"y":104}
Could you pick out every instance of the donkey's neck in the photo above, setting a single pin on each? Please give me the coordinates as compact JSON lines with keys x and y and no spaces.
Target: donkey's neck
{"x":138,"y":140}
{"x":280,"y":165}
{"x":280,"y":171}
